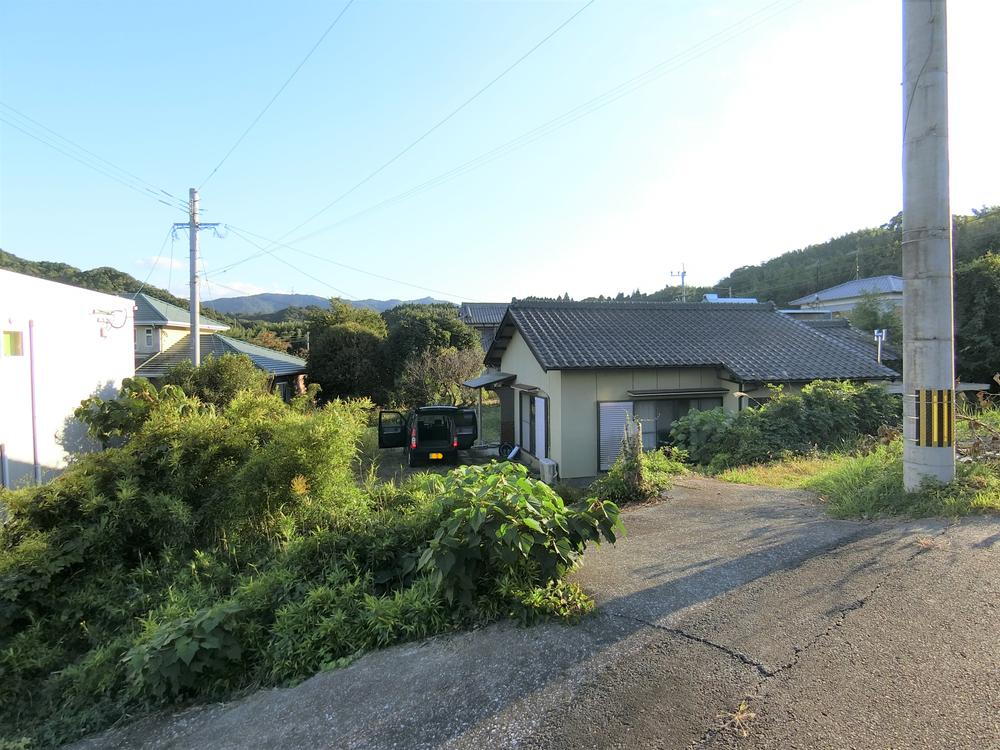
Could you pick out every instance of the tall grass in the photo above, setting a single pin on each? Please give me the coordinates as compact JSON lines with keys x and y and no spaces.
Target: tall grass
{"x":870,"y":485}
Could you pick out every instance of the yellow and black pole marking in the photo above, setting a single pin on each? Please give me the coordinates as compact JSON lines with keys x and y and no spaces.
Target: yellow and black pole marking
{"x":935,"y":417}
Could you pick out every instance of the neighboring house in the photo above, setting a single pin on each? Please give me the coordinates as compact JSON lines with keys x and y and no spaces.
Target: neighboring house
{"x":60,"y":345}
{"x":859,"y":341}
{"x":730,"y":300}
{"x":842,"y":298}
{"x":484,"y":317}
{"x":162,"y":338}
{"x":160,"y":325}
{"x":572,"y":373}
{"x":287,"y":372}
{"x":809,"y":313}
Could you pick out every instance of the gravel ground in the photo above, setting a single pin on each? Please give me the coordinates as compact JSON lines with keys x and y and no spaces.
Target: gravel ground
{"x":832,"y":634}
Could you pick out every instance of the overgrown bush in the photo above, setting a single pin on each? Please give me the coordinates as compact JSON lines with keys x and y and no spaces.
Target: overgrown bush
{"x":636,"y":474}
{"x":218,"y":380}
{"x":825,"y":415}
{"x":498,"y":524}
{"x":226,"y":547}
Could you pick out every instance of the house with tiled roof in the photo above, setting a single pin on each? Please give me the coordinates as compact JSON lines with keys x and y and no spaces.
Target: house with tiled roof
{"x":163,"y":340}
{"x":842,"y":298}
{"x":484,"y":317}
{"x":570,"y":374}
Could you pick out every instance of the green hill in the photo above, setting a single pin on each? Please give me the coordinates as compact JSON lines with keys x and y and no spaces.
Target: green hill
{"x":870,"y":252}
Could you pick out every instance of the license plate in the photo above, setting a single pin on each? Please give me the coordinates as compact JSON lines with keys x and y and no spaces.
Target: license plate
{"x":436,"y":455}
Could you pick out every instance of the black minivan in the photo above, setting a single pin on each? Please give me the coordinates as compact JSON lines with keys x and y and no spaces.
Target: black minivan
{"x":429,"y":433}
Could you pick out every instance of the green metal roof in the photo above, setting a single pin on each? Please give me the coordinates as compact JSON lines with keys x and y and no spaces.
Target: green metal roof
{"x":153,"y":311}
{"x":215,"y":345}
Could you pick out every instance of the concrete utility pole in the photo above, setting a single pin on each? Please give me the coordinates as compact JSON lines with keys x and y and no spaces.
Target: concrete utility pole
{"x":928,"y":345}
{"x":195,"y":301}
{"x":193,"y":226}
{"x":683,"y":274}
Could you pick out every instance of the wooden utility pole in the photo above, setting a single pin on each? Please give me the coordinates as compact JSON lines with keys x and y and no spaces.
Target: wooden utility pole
{"x":928,"y":333}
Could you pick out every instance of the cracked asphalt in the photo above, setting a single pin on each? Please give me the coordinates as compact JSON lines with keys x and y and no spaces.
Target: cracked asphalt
{"x":833,"y":634}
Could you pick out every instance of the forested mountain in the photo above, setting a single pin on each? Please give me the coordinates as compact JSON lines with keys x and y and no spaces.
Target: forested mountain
{"x":256,"y":304}
{"x":265,"y":306}
{"x":103,"y":279}
{"x":868,"y":252}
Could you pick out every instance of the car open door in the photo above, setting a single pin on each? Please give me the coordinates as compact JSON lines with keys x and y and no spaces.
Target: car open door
{"x":466,"y":427}
{"x":391,"y":429}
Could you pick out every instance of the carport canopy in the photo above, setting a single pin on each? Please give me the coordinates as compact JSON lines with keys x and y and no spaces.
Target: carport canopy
{"x":490,"y":379}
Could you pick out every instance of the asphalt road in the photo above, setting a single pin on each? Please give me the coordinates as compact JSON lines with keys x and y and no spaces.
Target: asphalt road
{"x":831,"y":634}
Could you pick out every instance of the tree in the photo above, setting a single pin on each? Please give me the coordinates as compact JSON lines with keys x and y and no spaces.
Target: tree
{"x":270,"y":340}
{"x":341,"y":312}
{"x":343,"y":360}
{"x":413,"y":329}
{"x":435,"y":376}
{"x":872,"y":313}
{"x":219,"y":379}
{"x":977,"y":334}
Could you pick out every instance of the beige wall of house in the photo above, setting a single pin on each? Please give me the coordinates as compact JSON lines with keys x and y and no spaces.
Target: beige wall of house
{"x":582,"y":390}
{"x":163,"y":337}
{"x":170,"y":336}
{"x":574,"y":395}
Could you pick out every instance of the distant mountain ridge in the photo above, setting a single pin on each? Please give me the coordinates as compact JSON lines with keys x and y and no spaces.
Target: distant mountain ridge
{"x":269,"y":303}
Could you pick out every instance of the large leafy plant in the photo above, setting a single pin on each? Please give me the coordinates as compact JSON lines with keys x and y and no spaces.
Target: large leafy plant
{"x":498,"y":521}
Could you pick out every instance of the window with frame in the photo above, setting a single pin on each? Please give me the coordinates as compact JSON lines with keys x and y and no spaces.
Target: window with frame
{"x":13,"y":344}
{"x":149,"y":337}
{"x":656,"y":416}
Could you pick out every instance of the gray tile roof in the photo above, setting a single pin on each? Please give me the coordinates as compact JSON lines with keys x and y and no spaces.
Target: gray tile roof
{"x":853,"y":338}
{"x":215,"y":345}
{"x":855,"y":288}
{"x":482,"y":313}
{"x":153,"y":311}
{"x":753,"y":342}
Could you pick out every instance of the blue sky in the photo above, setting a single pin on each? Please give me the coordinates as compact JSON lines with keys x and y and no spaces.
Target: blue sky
{"x":781,"y":132}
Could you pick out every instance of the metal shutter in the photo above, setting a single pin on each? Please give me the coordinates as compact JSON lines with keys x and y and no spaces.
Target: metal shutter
{"x":611,"y":419}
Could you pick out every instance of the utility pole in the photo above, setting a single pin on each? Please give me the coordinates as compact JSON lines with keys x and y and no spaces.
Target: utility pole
{"x":193,"y":226}
{"x":683,"y":274}
{"x":928,"y":345}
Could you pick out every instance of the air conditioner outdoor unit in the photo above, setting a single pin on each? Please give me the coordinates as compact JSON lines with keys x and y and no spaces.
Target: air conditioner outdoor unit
{"x":548,"y":470}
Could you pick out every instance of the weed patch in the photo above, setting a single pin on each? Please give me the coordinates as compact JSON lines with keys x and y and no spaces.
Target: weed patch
{"x":224,"y":546}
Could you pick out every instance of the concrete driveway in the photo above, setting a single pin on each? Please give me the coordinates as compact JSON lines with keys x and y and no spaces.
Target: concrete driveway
{"x":835,"y":634}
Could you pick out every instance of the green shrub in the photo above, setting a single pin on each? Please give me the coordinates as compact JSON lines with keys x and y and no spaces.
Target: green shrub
{"x":825,"y":415}
{"x":636,"y":474}
{"x":224,"y":547}
{"x":218,"y":379}
{"x":697,"y":432}
{"x":498,"y":522}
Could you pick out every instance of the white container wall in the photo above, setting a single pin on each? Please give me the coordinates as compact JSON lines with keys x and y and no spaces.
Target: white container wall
{"x":59,"y":344}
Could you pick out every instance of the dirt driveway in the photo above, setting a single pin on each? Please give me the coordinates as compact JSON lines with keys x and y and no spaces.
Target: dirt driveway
{"x":836,"y":634}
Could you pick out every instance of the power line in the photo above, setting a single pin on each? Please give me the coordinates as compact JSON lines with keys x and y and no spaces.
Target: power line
{"x":277,"y":244}
{"x":152,"y":188}
{"x":318,"y":280}
{"x":557,"y":123}
{"x":439,"y":123}
{"x":159,"y":255}
{"x":277,"y":93}
{"x":132,"y":186}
